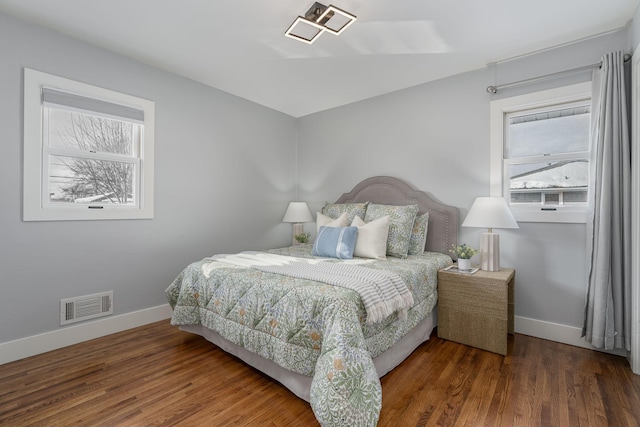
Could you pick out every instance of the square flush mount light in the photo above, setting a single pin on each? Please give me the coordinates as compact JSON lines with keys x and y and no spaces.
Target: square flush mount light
{"x":318,"y":19}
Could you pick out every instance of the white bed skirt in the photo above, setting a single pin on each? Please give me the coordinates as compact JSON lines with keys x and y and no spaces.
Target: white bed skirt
{"x":300,"y":384}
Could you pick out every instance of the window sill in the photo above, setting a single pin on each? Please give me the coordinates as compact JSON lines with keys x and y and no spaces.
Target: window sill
{"x":559,"y":216}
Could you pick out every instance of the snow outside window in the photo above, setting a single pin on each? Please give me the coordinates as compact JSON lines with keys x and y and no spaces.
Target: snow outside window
{"x":540,"y":153}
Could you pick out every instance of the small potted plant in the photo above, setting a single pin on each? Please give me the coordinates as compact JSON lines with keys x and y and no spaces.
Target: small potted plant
{"x":303,"y":237}
{"x":464,"y":254}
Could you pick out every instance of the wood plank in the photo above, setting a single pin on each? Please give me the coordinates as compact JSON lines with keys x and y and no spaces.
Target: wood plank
{"x":156,"y":375}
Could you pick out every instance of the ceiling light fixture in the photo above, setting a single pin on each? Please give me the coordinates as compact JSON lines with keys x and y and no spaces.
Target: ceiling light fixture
{"x":318,"y":19}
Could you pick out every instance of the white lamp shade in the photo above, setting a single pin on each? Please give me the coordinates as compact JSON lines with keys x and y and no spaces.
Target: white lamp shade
{"x":490,"y":212}
{"x":297,"y":212}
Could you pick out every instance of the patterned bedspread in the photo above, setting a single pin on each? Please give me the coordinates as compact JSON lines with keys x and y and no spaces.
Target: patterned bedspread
{"x":308,"y":327}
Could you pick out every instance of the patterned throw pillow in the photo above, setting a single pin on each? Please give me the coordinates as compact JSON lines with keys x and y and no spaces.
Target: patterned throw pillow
{"x":401,"y":219}
{"x":419,"y":235}
{"x":335,"y":242}
{"x":334,"y":210}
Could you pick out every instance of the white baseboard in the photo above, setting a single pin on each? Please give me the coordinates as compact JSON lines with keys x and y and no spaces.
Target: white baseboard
{"x":556,"y":332}
{"x":42,"y":343}
{"x":63,"y":337}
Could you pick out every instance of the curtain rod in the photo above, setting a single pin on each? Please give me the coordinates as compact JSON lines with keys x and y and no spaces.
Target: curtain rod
{"x":494,"y":89}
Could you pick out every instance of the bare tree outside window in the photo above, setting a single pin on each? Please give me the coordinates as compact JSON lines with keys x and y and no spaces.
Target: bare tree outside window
{"x":96,"y":174}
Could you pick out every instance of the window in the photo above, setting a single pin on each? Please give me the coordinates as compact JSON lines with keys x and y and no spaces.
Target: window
{"x":88,"y":151}
{"x":540,"y":151}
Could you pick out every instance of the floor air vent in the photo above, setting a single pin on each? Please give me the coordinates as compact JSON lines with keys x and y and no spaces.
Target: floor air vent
{"x":86,"y":307}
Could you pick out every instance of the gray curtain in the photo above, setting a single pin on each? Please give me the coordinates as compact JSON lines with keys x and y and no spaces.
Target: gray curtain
{"x":607,"y":320}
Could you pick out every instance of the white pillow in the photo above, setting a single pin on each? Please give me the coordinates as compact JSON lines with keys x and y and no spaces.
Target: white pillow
{"x":327,"y":221}
{"x":372,"y":237}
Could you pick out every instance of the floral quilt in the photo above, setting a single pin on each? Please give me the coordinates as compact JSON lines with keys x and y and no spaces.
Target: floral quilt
{"x":308,"y":327}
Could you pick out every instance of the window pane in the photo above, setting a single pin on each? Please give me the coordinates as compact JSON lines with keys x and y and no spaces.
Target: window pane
{"x":549,"y":183}
{"x":89,"y":181}
{"x":552,"y":198}
{"x":578,"y":196}
{"x":549,"y":132}
{"x":79,"y":131}
{"x":526,"y":197}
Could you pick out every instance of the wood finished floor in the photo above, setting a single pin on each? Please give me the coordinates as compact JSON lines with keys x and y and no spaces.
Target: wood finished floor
{"x":156,"y":375}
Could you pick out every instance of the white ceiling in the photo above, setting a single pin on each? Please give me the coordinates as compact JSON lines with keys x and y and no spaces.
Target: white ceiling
{"x":238,"y":45}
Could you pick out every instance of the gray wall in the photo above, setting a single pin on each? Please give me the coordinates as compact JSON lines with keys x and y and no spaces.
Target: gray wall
{"x":436,"y":137}
{"x":634,"y":29}
{"x":224,"y":173}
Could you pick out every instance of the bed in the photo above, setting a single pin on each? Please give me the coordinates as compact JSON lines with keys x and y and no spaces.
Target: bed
{"x":323,"y":341}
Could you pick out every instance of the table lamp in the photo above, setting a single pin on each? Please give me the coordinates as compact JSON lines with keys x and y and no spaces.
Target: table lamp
{"x":297,"y":213}
{"x":490,"y":213}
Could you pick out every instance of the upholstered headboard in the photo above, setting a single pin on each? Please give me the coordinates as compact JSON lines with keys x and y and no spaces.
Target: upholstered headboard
{"x":443,"y":219}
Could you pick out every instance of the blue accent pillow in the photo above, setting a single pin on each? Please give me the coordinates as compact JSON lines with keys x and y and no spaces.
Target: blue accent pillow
{"x":335,"y":242}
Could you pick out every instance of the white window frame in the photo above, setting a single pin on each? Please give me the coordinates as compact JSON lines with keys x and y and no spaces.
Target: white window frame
{"x":35,"y":205}
{"x":498,"y":175}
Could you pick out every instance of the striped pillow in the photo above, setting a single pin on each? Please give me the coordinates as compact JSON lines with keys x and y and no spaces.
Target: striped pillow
{"x":335,"y":242}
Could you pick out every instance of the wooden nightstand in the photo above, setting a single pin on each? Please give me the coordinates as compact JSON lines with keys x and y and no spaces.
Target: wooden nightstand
{"x":476,"y":309}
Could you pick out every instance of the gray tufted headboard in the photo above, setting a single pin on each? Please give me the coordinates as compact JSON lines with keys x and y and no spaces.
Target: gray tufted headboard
{"x":443,"y":219}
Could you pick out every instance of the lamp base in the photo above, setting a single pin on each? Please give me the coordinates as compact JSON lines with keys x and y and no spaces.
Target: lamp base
{"x":490,"y":251}
{"x":298,"y":228}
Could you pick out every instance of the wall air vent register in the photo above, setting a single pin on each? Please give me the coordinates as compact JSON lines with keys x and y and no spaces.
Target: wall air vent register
{"x":86,"y":307}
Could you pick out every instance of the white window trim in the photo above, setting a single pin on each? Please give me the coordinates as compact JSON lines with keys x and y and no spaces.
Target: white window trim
{"x":33,"y":207}
{"x":503,"y":106}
